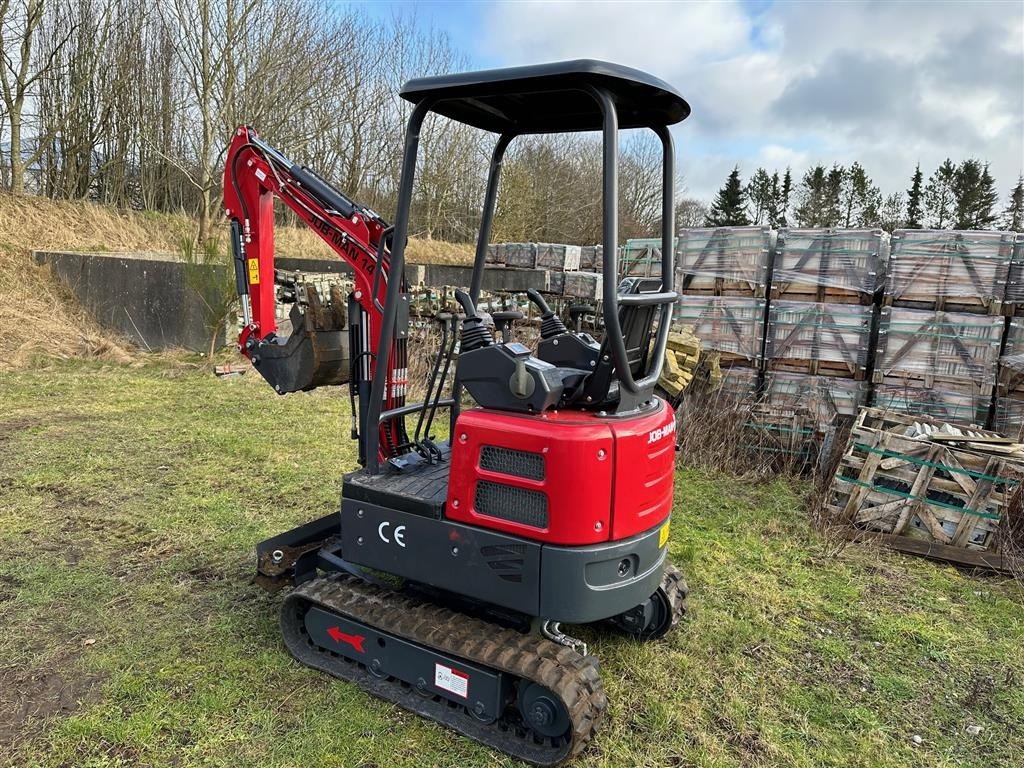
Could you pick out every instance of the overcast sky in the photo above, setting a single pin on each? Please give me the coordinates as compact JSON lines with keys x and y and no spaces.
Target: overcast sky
{"x":780,"y":83}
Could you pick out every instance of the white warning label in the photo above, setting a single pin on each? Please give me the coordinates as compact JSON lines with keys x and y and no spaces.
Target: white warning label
{"x":451,"y":680}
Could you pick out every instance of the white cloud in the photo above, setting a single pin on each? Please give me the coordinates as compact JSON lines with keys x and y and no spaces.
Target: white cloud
{"x":889,"y":84}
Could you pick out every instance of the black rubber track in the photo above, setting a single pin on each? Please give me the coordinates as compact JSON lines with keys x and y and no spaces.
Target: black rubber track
{"x":574,"y":679}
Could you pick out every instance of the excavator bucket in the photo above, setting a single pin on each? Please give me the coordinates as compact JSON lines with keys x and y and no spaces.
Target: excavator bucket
{"x":316,"y":353}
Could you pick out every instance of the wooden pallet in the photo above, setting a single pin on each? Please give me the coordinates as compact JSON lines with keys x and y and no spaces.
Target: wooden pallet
{"x":818,"y":339}
{"x":834,"y":266}
{"x":951,"y":271}
{"x":937,"y":347}
{"x":932,"y":495}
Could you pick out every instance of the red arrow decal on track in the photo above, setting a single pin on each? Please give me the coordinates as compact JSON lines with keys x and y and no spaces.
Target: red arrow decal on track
{"x":356,"y":641}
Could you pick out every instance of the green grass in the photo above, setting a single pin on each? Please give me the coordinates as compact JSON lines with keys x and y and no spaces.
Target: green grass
{"x":131,"y":499}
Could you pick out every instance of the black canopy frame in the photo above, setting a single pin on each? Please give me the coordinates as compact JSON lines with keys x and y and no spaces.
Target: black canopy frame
{"x":564,"y":97}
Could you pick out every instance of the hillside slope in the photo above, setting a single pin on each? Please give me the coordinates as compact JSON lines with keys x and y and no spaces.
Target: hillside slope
{"x":39,"y":317}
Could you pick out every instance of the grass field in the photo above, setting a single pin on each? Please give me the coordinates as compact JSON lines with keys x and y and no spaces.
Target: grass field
{"x":131,"y":498}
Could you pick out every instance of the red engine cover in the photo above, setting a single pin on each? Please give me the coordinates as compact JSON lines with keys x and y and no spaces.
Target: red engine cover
{"x":602,"y":479}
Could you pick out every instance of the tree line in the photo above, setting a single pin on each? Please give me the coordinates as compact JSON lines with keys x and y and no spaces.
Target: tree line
{"x":132,"y":103}
{"x":955,"y":196}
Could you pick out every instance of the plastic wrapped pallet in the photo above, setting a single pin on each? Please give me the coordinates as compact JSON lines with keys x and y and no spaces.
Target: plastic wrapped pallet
{"x":495,"y":254}
{"x":963,"y":403}
{"x":640,"y":257}
{"x":1008,"y":416}
{"x":731,"y":326}
{"x":522,"y":255}
{"x":816,"y":338}
{"x":592,"y":258}
{"x":825,"y":397}
{"x":841,"y":266}
{"x":582,"y":285}
{"x":937,"y":347}
{"x":1015,"y":281}
{"x":558,"y":257}
{"x":727,"y":261}
{"x":957,"y":271}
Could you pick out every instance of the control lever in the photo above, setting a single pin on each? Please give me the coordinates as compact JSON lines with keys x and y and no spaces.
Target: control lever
{"x":474,"y":332}
{"x":550,"y":323}
{"x":503,"y":322}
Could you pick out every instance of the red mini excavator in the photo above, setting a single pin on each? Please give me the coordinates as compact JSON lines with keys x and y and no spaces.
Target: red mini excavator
{"x":443,"y":582}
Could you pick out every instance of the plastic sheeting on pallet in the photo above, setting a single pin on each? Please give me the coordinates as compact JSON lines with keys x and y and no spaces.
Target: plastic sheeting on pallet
{"x":818,"y":338}
{"x":936,"y":347}
{"x":1008,"y":416}
{"x":582,"y":285}
{"x":1015,"y":281}
{"x":833,"y":265}
{"x":640,"y":257}
{"x":592,"y":258}
{"x":966,"y":271}
{"x":559,"y":257}
{"x":963,"y":403}
{"x":723,"y":261}
{"x":732,"y":326}
{"x":825,"y":397}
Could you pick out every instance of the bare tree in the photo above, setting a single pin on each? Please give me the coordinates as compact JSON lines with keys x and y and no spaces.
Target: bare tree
{"x":21,"y":24}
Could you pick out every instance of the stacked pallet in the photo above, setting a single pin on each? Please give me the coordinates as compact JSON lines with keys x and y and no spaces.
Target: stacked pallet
{"x":727,"y":261}
{"x":837,"y":266}
{"x":820,"y":322}
{"x":640,"y":257}
{"x":940,"y":364}
{"x":1008,"y":409}
{"x":592,"y":258}
{"x":950,"y":271}
{"x":923,"y":486}
{"x":830,"y":400}
{"x":818,"y":339}
{"x":732,"y":327}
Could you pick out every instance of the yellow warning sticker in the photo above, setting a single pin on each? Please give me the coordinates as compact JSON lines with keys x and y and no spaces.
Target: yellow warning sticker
{"x":663,"y":535}
{"x":254,"y":271}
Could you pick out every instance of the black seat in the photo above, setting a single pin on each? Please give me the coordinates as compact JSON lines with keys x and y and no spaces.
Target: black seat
{"x":637,"y":321}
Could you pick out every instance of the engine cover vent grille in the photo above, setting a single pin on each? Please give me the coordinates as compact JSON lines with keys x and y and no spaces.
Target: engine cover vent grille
{"x":506,"y":502}
{"x":512,"y":462}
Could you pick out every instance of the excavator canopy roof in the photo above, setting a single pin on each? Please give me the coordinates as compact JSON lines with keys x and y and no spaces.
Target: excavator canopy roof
{"x":550,"y":98}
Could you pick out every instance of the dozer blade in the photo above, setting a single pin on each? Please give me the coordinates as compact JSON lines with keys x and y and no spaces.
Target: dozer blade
{"x":522,"y":694}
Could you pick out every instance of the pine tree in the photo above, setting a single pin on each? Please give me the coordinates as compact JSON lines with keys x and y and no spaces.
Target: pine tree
{"x":975,"y":196}
{"x":810,"y":203}
{"x":787,"y":190}
{"x":759,"y":196}
{"x":832,"y":208}
{"x":914,"y":212}
{"x":774,"y":201}
{"x":939,"y":200}
{"x":861,"y":199}
{"x":729,"y":208}
{"x":890,"y":215}
{"x":1013,"y":216}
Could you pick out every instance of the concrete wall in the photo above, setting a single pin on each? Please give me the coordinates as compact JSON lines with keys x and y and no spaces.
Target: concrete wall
{"x":141,"y":296}
{"x":145,"y":297}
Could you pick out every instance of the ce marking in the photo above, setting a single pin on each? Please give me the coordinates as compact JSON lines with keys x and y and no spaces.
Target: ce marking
{"x":398,"y":534}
